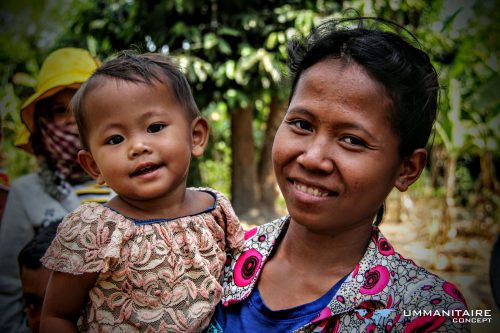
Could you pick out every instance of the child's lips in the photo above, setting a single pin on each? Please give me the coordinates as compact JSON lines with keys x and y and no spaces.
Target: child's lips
{"x":145,"y":169}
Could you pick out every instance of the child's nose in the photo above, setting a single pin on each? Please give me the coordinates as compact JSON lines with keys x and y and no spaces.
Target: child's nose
{"x":318,"y":156}
{"x":138,"y":148}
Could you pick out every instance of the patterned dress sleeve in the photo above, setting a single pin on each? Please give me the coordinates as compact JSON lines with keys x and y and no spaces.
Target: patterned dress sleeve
{"x":87,"y":241}
{"x":228,"y":220}
{"x":435,"y":306}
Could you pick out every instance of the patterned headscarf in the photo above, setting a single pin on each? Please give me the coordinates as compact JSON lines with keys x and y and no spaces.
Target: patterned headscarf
{"x":62,"y":145}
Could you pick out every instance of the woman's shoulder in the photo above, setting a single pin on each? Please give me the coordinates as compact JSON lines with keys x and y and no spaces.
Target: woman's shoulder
{"x":269,"y":231}
{"x":27,"y":184}
{"x":408,"y":281}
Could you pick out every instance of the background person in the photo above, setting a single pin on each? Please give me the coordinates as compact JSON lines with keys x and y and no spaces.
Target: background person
{"x":60,"y":184}
{"x":34,"y":277}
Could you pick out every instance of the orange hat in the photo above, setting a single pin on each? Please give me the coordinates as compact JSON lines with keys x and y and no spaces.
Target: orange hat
{"x":64,"y":68}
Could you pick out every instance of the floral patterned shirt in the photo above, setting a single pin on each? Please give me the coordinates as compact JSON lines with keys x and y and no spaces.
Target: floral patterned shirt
{"x":161,"y":276}
{"x":384,"y":293}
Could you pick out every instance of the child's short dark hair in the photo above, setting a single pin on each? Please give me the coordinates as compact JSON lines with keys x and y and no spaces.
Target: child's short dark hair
{"x":32,"y":252}
{"x":137,"y":68}
{"x":404,"y":71}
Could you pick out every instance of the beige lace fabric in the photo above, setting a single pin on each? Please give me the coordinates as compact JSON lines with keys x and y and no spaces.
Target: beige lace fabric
{"x":158,"y":277}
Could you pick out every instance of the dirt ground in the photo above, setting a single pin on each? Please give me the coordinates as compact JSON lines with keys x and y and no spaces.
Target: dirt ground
{"x":463,"y":260}
{"x":469,"y":273}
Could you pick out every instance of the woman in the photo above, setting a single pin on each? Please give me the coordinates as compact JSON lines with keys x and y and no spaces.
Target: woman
{"x":60,"y":184}
{"x":362,"y":106}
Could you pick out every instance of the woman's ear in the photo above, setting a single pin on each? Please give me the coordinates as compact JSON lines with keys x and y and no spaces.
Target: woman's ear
{"x":88,"y":164}
{"x":199,"y":136}
{"x":411,"y":168}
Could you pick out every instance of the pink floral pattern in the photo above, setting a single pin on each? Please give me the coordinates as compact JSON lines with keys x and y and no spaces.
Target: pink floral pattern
{"x":384,"y":247}
{"x":246,"y":267}
{"x":425,"y":324}
{"x":453,"y":292}
{"x":376,"y":279}
{"x":378,"y":296}
{"x":154,"y":277}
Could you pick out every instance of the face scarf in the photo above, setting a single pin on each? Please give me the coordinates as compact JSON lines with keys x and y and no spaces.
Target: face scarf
{"x":62,"y":145}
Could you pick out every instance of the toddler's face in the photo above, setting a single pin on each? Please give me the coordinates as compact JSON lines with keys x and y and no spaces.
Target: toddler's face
{"x":335,"y":154}
{"x":139,"y":139}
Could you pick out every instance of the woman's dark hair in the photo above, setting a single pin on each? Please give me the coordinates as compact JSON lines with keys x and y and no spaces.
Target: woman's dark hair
{"x":32,"y":252}
{"x":404,"y":71}
{"x":137,"y":68}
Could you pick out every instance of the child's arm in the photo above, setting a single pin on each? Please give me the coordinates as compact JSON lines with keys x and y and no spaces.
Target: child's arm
{"x":65,"y":299}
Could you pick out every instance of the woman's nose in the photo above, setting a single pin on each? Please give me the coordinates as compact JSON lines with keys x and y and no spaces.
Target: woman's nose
{"x":317,"y":156}
{"x":65,"y":119}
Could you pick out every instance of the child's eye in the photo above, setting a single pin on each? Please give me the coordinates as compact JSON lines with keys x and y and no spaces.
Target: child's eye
{"x":114,"y":140}
{"x":352,"y":140}
{"x":156,"y":128}
{"x":301,"y":124}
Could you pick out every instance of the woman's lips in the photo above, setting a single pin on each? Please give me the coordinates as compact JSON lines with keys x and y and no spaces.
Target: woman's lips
{"x":312,"y":190}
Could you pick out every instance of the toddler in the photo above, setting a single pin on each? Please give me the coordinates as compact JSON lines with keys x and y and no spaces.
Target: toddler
{"x":151,"y":258}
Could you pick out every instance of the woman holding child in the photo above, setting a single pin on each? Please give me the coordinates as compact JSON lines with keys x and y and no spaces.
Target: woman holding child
{"x":362,"y":106}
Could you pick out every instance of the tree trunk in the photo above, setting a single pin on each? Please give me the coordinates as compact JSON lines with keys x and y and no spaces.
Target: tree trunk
{"x":243,"y":169}
{"x":438,"y":165}
{"x":488,"y":174}
{"x":449,"y":204}
{"x":267,"y":180}
{"x":487,"y":187}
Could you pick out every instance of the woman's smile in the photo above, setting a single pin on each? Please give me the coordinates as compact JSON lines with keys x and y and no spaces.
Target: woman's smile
{"x":336,"y":157}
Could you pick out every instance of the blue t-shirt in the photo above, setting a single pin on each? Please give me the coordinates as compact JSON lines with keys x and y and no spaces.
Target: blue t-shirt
{"x":252,"y":315}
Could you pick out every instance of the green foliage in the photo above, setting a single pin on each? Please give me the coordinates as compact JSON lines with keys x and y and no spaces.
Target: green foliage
{"x":28,"y":34}
{"x":234,"y":55}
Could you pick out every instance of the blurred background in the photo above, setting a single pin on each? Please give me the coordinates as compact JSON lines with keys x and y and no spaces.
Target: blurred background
{"x":233,"y":53}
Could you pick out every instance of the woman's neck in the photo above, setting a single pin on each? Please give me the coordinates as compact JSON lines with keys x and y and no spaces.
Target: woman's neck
{"x":310,"y":263}
{"x":319,"y":252}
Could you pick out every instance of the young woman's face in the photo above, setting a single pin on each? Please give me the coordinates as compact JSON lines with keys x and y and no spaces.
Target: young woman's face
{"x":335,"y":154}
{"x":139,"y":138}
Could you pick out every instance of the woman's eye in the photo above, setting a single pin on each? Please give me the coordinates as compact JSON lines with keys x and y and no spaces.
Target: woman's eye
{"x":301,"y":124}
{"x":155,"y":128}
{"x":114,"y":140}
{"x":55,"y":111}
{"x":352,"y":140}
{"x":58,"y":110}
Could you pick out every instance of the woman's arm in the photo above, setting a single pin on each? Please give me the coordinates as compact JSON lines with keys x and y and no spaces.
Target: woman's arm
{"x":65,"y":299}
{"x":16,"y":230}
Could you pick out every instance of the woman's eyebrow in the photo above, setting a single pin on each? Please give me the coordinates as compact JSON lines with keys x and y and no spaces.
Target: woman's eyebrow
{"x":339,"y":125}
{"x":349,"y":125}
{"x":300,"y":111}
